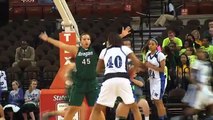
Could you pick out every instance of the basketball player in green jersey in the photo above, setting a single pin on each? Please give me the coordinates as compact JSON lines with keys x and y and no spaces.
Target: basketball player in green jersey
{"x":84,"y":78}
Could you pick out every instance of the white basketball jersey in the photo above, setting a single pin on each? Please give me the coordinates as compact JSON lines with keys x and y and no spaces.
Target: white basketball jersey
{"x":204,"y":71}
{"x":155,"y":59}
{"x":115,"y":59}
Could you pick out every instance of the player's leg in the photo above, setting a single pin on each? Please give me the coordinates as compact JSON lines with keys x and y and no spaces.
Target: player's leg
{"x":122,"y":111}
{"x":161,"y":110}
{"x":47,"y":115}
{"x":126,"y":93}
{"x":157,"y":91}
{"x":71,"y":111}
{"x":135,"y":110}
{"x":76,"y":97}
{"x":145,"y":107}
{"x":97,"y":112}
{"x":107,"y":97}
{"x":92,"y":92}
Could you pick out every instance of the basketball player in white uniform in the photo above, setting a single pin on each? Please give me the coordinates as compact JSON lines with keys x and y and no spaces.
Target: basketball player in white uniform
{"x":201,"y":75}
{"x":114,"y":60}
{"x":155,"y":62}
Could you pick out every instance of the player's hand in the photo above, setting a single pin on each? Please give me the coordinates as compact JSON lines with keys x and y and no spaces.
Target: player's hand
{"x":43,"y":36}
{"x":125,"y":31}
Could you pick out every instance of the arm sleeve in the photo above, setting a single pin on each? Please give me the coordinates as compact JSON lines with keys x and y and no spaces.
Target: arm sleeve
{"x":101,"y":56}
{"x":10,"y":98}
{"x":165,"y":43}
{"x":161,"y":56}
{"x":127,"y":50}
{"x":21,"y":94}
{"x":179,"y":42}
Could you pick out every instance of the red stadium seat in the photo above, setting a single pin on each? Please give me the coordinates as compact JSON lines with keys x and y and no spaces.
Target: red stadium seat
{"x":19,"y":12}
{"x":102,"y":9}
{"x":34,"y":12}
{"x":206,"y":7}
{"x":117,"y":8}
{"x":192,"y":7}
{"x":84,"y":9}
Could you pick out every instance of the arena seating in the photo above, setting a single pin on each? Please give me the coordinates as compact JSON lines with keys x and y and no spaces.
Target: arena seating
{"x":82,"y":8}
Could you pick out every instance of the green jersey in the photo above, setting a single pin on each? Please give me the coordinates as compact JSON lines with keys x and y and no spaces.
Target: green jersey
{"x":86,"y":61}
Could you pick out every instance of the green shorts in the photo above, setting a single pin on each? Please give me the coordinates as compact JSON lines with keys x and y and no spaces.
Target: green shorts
{"x":81,"y":89}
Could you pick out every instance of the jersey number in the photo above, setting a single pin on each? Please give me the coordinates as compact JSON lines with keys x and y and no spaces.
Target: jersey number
{"x":86,"y":61}
{"x":151,"y":74}
{"x":117,"y":62}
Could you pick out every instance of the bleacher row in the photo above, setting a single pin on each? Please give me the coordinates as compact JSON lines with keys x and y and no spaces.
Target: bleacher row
{"x":81,"y":8}
{"x":199,"y":6}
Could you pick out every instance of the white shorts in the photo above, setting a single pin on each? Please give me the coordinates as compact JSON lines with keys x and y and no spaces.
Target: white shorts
{"x":190,"y":95}
{"x":204,"y":97}
{"x":157,"y":88}
{"x":114,"y":87}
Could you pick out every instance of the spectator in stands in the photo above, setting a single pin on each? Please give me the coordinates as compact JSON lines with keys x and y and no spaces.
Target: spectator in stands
{"x":24,"y":53}
{"x":171,"y":37}
{"x":16,"y":99}
{"x":171,"y":62}
{"x":190,"y":52}
{"x":31,"y":98}
{"x":183,"y":71}
{"x":211,"y":35}
{"x":196,"y":35}
{"x":3,"y":81}
{"x":169,"y":14}
{"x":207,"y":47}
{"x":209,"y":32}
{"x":186,"y":44}
{"x":211,"y":24}
{"x":192,"y":38}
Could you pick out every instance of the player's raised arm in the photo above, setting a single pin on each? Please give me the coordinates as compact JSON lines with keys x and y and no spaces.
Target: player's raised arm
{"x":71,"y":48}
{"x":125,"y":31}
